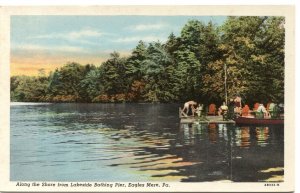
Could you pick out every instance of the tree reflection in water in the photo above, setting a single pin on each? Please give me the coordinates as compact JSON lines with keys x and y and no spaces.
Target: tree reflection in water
{"x":229,"y":152}
{"x":138,"y":142}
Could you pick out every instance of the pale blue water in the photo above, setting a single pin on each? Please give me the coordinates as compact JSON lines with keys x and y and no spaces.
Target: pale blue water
{"x":135,"y":142}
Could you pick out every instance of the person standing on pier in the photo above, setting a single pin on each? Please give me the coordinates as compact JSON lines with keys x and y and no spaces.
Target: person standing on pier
{"x":188,"y":105}
{"x":237,"y":104}
{"x":199,"y":110}
{"x":231,"y":106}
{"x":223,"y":109}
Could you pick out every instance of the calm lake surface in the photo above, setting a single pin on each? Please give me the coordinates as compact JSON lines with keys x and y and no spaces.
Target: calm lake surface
{"x":137,"y":142}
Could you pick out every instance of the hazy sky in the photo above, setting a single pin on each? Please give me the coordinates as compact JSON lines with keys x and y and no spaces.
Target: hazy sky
{"x":50,"y":41}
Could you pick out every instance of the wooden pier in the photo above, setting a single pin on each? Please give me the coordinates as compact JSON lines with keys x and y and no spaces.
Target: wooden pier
{"x":206,"y":120}
{"x":185,"y":119}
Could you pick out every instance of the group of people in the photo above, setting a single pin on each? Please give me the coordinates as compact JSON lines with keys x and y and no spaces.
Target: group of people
{"x":195,"y":108}
{"x":234,"y":108}
{"x":192,"y":106}
{"x":235,"y":104}
{"x":258,"y":108}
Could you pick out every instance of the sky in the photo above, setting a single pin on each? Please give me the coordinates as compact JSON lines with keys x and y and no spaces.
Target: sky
{"x":49,"y":42}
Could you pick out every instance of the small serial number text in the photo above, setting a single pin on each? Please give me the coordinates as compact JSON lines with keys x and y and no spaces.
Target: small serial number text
{"x":272,"y":184}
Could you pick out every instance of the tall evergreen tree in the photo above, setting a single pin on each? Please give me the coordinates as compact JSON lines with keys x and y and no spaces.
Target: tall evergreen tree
{"x":187,"y":67}
{"x":114,"y":77}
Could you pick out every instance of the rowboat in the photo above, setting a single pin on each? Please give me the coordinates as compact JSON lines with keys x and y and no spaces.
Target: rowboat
{"x":258,"y":121}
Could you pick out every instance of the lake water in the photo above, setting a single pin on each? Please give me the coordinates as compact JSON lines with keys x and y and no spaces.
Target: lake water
{"x":137,"y":142}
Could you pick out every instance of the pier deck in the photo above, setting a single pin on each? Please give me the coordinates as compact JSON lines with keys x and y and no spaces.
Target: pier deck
{"x":207,"y":120}
{"x":184,"y":118}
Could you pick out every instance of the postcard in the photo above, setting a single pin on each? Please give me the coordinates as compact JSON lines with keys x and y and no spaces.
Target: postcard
{"x":147,"y":99}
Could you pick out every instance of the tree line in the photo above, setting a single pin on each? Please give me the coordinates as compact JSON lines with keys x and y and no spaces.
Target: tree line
{"x":185,"y":67}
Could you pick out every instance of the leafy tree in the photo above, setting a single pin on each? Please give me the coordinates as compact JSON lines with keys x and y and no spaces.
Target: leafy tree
{"x":28,"y":89}
{"x":172,"y":44}
{"x":66,"y":81}
{"x":91,"y":84}
{"x":114,"y":77}
{"x":188,"y":71}
{"x":159,"y":74}
{"x":244,"y":52}
{"x":134,"y":62}
{"x":188,"y":67}
{"x":198,"y":42}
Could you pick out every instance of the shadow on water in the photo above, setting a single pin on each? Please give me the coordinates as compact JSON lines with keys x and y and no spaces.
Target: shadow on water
{"x":137,"y":142}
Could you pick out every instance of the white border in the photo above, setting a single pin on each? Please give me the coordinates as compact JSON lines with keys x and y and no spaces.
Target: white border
{"x":243,"y":10}
{"x":148,"y":2}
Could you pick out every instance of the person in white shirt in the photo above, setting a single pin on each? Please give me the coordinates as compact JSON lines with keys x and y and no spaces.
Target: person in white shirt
{"x":199,"y":110}
{"x":261,"y":108}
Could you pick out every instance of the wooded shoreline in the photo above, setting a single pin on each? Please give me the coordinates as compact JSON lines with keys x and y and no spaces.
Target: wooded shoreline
{"x":185,"y":67}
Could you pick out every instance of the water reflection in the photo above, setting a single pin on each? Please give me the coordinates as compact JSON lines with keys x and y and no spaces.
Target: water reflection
{"x":243,"y":137}
{"x":212,"y":133}
{"x":137,"y":142}
{"x":240,"y":135}
{"x":262,"y":135}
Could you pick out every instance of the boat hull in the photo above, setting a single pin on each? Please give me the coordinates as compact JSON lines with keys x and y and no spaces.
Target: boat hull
{"x":255,"y":121}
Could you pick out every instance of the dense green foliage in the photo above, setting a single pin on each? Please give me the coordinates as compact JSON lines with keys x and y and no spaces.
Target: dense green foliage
{"x":188,"y":67}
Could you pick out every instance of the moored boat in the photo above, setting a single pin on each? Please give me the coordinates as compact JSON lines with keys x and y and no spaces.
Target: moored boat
{"x":258,"y":121}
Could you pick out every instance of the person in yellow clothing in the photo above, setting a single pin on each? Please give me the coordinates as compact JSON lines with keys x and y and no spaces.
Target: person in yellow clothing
{"x":223,"y":109}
